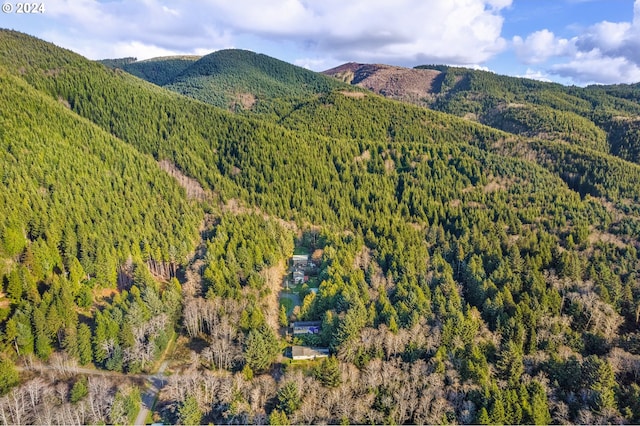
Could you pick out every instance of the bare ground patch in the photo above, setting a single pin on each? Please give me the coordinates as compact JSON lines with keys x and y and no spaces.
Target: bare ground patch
{"x":357,"y":95}
{"x":64,"y":102}
{"x":192,"y":186}
{"x":495,"y":185}
{"x":606,"y":237}
{"x":395,"y":82}
{"x":365,"y":156}
{"x":4,"y":302}
{"x":273,"y":279}
{"x":389,"y":165}
{"x":244,"y":100}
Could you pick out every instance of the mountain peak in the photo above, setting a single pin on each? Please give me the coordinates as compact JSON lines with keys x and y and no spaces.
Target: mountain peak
{"x":388,"y":80}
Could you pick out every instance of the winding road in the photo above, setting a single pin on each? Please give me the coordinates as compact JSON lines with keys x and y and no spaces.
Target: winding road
{"x":155,"y":383}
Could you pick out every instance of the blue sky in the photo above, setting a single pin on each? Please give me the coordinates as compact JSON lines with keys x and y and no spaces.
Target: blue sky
{"x":569,"y":41}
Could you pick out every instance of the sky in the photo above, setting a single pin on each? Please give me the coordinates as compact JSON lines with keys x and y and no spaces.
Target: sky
{"x":568,"y":41}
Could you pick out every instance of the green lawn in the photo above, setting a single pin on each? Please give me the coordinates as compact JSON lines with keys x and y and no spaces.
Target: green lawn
{"x":287,"y":303}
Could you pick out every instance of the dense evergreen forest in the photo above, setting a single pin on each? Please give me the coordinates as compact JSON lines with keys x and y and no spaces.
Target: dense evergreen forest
{"x":158,"y":71}
{"x":232,"y":79}
{"x":597,"y":117}
{"x":467,"y":272}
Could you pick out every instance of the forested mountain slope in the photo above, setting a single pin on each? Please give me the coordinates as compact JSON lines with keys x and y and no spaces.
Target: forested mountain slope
{"x":592,"y":117}
{"x":465,"y":274}
{"x":588,"y":117}
{"x":81,"y":212}
{"x":69,"y":184}
{"x":158,"y":71}
{"x":232,"y":78}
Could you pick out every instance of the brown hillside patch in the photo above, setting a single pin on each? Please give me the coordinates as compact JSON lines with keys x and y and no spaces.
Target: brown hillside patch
{"x":417,"y":226}
{"x":365,"y":156}
{"x":616,"y":213}
{"x":103,"y":295}
{"x":389,"y":165}
{"x":4,"y":302}
{"x":606,"y":237}
{"x":244,"y":100}
{"x":192,"y":186}
{"x":495,"y":185}
{"x":357,"y":95}
{"x":408,"y":84}
{"x":273,"y":277}
{"x":64,"y":102}
{"x":54,"y":72}
{"x":476,"y":205}
{"x":498,"y":183}
{"x":106,"y":292}
{"x":348,"y":68}
{"x":401,"y":83}
{"x":363,"y":258}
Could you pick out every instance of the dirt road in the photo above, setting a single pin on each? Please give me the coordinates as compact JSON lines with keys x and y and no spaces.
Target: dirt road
{"x":154,"y":384}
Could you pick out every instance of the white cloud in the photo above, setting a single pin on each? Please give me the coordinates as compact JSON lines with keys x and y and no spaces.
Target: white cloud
{"x":312,"y":63}
{"x":594,"y":67}
{"x":478,"y":67}
{"x":101,"y":50}
{"x":97,"y":29}
{"x":606,"y":52}
{"x":540,"y":46}
{"x":536,"y":75}
{"x":407,"y":32}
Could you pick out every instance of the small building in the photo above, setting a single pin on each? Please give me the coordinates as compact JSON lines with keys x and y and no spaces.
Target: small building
{"x":306,"y":327}
{"x":303,"y":352}
{"x":298,"y":277}
{"x":300,"y":260}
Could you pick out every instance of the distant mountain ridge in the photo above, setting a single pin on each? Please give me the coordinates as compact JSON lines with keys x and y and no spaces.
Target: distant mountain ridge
{"x":394,"y":82}
{"x":158,"y":71}
{"x":592,"y":117}
{"x":603,"y":118}
{"x":232,"y":78}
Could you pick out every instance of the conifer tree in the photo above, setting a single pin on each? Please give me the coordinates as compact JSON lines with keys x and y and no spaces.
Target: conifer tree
{"x":84,"y":344}
{"x":189,"y":413}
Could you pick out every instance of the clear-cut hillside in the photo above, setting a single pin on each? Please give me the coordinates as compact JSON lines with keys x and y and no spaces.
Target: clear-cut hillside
{"x":418,"y":86}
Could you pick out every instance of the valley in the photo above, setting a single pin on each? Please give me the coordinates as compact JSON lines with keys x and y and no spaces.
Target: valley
{"x":306,"y":250}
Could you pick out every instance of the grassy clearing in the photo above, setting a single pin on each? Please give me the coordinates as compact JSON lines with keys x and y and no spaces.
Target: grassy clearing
{"x":287,"y":303}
